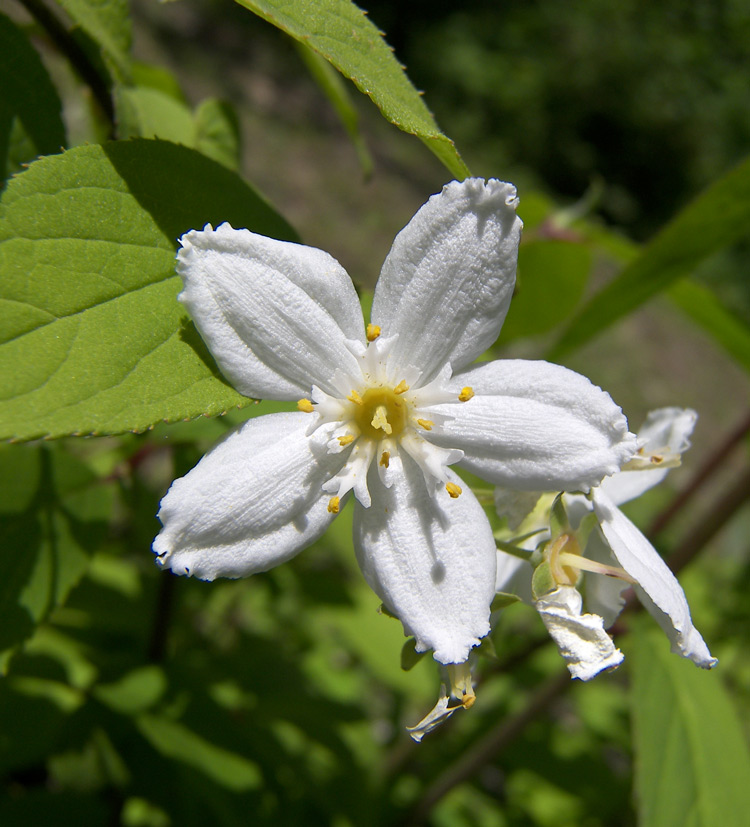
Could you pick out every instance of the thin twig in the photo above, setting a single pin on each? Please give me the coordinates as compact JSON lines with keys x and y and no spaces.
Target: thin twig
{"x":488,"y":747}
{"x":700,"y":477}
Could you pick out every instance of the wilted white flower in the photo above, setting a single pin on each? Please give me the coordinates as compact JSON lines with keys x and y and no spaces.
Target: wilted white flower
{"x":383,"y":411}
{"x":609,"y":556}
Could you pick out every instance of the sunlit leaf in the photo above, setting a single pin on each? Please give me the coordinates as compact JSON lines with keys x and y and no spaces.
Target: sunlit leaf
{"x":145,"y":112}
{"x":715,"y":219}
{"x":692,"y":763}
{"x":340,"y":32}
{"x":217,"y":132}
{"x":107,"y":22}
{"x":93,"y":338}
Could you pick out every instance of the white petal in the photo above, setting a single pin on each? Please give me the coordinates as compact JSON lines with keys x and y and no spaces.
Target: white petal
{"x":665,"y":429}
{"x":581,"y":638}
{"x":513,"y":576}
{"x":657,"y":583}
{"x":434,"y":718}
{"x":515,"y":506}
{"x":603,"y":595}
{"x":431,"y":560}
{"x":447,"y":282}
{"x":535,"y":426}
{"x":252,"y":502}
{"x":274,"y":315}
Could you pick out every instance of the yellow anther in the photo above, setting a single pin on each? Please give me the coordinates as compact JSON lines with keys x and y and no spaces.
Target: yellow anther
{"x":453,"y":489}
{"x":373,"y":331}
{"x":347,"y":439}
{"x":385,"y":458}
{"x":402,"y":387}
{"x":355,"y":397}
{"x":468,"y":701}
{"x":333,"y":505}
{"x":380,"y":420}
{"x":466,"y":394}
{"x":657,"y":459}
{"x":305,"y":405}
{"x":425,"y":423}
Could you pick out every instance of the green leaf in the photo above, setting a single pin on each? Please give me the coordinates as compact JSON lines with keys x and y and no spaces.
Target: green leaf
{"x":552,"y":276}
{"x":28,"y":92}
{"x":107,"y":22}
{"x":702,"y":306}
{"x":336,"y":91}
{"x":54,"y":513}
{"x":718,"y":217}
{"x":692,"y":764}
{"x":174,"y":740}
{"x":145,"y":112}
{"x":92,"y":338}
{"x":217,"y":132}
{"x":340,"y":32}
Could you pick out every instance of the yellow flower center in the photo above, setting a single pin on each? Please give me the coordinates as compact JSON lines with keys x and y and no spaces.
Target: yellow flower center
{"x":380,"y":413}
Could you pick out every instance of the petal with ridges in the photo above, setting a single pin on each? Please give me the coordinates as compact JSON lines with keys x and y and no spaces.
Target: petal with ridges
{"x":275,"y":315}
{"x":431,"y":560}
{"x":252,"y":502}
{"x":535,"y":426}
{"x":447,"y":282}
{"x":644,"y":564}
{"x":581,"y":639}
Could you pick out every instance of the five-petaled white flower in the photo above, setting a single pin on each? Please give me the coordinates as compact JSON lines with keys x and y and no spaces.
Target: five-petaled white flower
{"x":383,"y":412}
{"x":584,"y":538}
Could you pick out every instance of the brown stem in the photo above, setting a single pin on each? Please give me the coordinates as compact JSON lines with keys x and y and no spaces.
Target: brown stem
{"x":488,"y":747}
{"x":701,"y":477}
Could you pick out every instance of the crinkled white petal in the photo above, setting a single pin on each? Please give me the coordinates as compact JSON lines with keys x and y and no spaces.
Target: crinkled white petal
{"x":274,"y":315}
{"x":447,"y":282}
{"x":535,"y":426}
{"x":665,"y":429}
{"x":431,"y":560}
{"x":581,"y":639}
{"x":253,"y":501}
{"x":644,"y":564}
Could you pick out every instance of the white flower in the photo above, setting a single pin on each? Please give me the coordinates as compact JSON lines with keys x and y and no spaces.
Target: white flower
{"x":617,"y":555}
{"x":383,"y":413}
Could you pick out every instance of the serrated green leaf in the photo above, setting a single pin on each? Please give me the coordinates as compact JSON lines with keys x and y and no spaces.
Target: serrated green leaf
{"x":28,"y":92}
{"x":107,"y":22}
{"x":54,"y":512}
{"x":702,"y":306}
{"x":715,"y":219}
{"x":692,"y":763}
{"x":340,"y":32}
{"x":92,"y":338}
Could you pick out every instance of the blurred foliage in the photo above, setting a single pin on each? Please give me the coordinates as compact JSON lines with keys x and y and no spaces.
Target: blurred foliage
{"x":132,"y":697}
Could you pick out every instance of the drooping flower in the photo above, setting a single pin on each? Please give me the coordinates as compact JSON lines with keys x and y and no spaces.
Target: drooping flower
{"x":383,"y":411}
{"x":586,"y":543}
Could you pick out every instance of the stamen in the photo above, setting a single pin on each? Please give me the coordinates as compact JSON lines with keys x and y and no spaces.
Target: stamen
{"x":466,"y":394}
{"x":380,"y":420}
{"x":373,"y":331}
{"x":305,"y":405}
{"x":355,"y":397}
{"x":402,"y":387}
{"x":333,"y":505}
{"x":453,"y":489}
{"x":425,"y":423}
{"x":347,"y":439}
{"x":576,"y":561}
{"x":385,"y":458}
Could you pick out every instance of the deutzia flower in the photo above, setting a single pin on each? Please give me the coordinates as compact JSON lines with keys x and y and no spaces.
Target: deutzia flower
{"x":383,"y":411}
{"x":583,"y":538}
